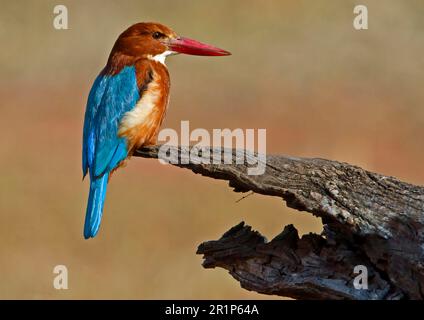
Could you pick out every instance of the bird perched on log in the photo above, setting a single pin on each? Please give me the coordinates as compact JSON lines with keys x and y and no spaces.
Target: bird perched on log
{"x":127,"y":104}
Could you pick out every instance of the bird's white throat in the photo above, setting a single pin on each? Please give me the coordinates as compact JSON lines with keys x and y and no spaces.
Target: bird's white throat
{"x":161,"y":57}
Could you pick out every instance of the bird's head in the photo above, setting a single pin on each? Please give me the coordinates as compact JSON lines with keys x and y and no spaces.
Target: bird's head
{"x":156,"y":41}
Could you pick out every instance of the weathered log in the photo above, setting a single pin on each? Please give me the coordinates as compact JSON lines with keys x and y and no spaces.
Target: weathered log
{"x":369,"y":219}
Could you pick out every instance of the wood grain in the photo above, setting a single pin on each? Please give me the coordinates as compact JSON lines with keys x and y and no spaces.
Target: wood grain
{"x":369,"y":219}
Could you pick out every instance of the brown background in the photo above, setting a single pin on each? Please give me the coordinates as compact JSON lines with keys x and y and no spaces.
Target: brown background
{"x":298,"y":69}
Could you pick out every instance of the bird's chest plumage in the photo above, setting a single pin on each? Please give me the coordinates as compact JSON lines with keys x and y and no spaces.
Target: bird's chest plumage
{"x":141,"y":125}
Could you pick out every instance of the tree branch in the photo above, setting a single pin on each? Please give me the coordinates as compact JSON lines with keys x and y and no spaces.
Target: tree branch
{"x":368,"y":219}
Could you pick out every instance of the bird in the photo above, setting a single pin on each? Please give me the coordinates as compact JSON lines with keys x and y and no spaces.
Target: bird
{"x":127,"y":104}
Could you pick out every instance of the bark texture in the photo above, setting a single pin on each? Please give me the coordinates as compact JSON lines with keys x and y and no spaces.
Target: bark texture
{"x":369,"y":219}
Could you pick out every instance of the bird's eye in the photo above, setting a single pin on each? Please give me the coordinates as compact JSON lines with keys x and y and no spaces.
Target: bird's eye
{"x":158,"y":35}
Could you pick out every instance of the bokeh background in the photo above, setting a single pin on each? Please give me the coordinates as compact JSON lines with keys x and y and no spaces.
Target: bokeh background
{"x":298,"y":69}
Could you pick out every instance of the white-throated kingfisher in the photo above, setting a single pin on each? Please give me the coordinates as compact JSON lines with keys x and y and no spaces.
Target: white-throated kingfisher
{"x":127,"y":104}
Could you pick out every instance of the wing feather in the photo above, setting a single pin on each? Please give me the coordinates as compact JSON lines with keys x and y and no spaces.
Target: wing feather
{"x":110,"y":98}
{"x":93,"y":103}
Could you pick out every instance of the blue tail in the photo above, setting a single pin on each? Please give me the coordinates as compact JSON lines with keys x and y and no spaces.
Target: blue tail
{"x":96,"y":199}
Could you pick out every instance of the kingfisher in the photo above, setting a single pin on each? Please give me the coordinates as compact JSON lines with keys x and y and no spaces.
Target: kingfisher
{"x":127,"y":104}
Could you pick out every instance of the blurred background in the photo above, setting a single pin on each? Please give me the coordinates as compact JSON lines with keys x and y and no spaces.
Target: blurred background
{"x":298,"y":69}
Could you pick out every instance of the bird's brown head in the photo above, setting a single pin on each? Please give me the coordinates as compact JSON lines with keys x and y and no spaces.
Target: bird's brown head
{"x":149,"y":40}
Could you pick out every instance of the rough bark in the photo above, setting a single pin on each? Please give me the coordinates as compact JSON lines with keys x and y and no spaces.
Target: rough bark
{"x":369,"y":219}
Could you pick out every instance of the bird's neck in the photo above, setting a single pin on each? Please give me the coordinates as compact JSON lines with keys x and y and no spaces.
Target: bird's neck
{"x":117,"y":61}
{"x":150,"y":70}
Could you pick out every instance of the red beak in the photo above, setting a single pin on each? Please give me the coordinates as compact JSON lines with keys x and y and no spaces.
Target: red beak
{"x":190,"y":46}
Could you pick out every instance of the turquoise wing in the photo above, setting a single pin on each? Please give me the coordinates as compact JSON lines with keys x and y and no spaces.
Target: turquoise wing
{"x":110,"y":98}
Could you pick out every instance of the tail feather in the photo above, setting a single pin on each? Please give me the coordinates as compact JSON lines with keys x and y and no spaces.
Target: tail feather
{"x":95,"y":203}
